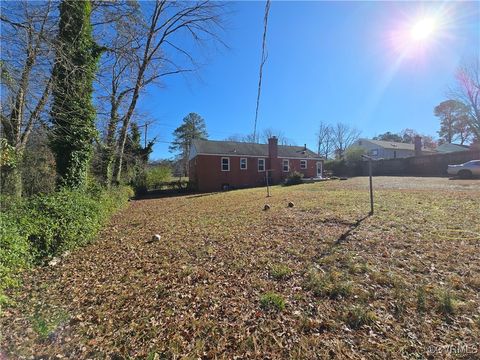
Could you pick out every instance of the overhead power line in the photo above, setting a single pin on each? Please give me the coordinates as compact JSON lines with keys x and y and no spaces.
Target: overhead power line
{"x":262,"y":62}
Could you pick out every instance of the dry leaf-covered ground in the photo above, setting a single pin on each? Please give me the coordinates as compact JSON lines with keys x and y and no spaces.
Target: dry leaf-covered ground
{"x":228,"y":280}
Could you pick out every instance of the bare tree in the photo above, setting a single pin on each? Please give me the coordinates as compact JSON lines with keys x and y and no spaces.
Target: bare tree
{"x":269,"y":133}
{"x":343,"y":136}
{"x":266,"y":134}
{"x":235,"y":138}
{"x":28,"y":30}
{"x":467,"y":91}
{"x":119,"y":28}
{"x":325,"y":140}
{"x":158,"y":51}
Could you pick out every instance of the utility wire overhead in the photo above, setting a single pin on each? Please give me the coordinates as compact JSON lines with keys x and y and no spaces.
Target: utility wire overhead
{"x":262,"y":62}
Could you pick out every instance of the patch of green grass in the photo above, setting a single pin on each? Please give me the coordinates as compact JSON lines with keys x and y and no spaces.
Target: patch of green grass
{"x":446,"y":302}
{"x":421,"y":299}
{"x":272,"y":301}
{"x":330,"y":285}
{"x":387,"y":279}
{"x":357,"y":316}
{"x":44,"y":324}
{"x":279,"y":271}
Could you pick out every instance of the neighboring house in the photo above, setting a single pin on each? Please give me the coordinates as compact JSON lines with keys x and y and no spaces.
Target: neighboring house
{"x":449,"y":148}
{"x":379,"y":149}
{"x":219,"y":165}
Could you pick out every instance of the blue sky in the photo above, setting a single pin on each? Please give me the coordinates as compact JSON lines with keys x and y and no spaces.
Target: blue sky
{"x":351,"y":62}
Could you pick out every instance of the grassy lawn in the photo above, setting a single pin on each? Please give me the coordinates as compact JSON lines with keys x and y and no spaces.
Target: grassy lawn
{"x":228,"y":279}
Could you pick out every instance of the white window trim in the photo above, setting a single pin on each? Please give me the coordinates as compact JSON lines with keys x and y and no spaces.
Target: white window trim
{"x":303,"y":167}
{"x":283,"y":165}
{"x":221,"y":163}
{"x":246,"y":164}
{"x":258,"y":164}
{"x":374,"y":152}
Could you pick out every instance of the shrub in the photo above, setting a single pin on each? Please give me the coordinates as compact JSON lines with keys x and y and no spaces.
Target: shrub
{"x":157,"y":175}
{"x":272,"y":301}
{"x":48,"y":225}
{"x":139,"y":183}
{"x":15,"y":250}
{"x":294,"y":178}
{"x":353,"y":155}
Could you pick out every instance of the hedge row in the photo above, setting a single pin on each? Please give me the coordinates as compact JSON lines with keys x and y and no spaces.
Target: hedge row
{"x":44,"y":226}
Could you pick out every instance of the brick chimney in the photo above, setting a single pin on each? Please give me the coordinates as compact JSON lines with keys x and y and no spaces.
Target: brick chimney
{"x":273,"y":147}
{"x":418,"y":145}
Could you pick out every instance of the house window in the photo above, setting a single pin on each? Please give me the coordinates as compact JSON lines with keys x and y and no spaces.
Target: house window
{"x":243,"y":163}
{"x":225,"y":164}
{"x":261,"y":164}
{"x":303,"y":164}
{"x":375,"y":152}
{"x":286,"y":165}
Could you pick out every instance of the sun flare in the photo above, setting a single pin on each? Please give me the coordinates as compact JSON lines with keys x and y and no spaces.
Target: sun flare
{"x":423,"y":29}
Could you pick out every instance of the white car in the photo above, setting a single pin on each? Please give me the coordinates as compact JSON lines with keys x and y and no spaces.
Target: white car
{"x":466,"y":170}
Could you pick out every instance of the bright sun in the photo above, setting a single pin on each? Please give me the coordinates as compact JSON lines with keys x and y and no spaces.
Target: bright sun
{"x":423,"y":29}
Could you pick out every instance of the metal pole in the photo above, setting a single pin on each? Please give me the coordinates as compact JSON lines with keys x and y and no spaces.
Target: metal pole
{"x":371,"y":185}
{"x":268,"y":187}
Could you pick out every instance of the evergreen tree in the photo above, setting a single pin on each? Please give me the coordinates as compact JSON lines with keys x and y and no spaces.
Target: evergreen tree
{"x":453,"y":117}
{"x":72,"y":112}
{"x":388,"y":136}
{"x":193,"y":127}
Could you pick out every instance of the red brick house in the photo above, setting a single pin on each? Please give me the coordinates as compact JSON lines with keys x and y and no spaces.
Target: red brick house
{"x":217,"y":165}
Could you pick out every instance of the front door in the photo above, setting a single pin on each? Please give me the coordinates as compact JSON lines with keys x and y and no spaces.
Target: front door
{"x":319,"y":169}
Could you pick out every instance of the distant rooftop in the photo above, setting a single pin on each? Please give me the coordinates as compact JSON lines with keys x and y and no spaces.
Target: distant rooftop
{"x":447,"y":148}
{"x":395,"y":145}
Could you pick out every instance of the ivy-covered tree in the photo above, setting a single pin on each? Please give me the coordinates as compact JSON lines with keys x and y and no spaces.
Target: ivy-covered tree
{"x":136,"y":155}
{"x":72,"y":111}
{"x":193,"y":127}
{"x":136,"y":160}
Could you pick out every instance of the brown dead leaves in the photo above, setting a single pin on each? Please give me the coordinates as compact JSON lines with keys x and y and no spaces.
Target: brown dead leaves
{"x":196,"y":292}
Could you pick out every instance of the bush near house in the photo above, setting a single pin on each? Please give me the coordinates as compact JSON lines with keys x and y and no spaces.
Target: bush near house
{"x":47,"y":225}
{"x":294,"y":178}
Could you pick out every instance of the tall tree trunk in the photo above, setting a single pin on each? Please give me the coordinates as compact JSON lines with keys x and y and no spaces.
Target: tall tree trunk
{"x":146,"y":58}
{"x":72,"y":111}
{"x":126,"y":120}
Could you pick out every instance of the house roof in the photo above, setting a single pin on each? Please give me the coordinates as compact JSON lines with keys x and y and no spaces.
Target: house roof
{"x":447,"y":148}
{"x":396,"y":145}
{"x":391,"y":144}
{"x":213,"y":147}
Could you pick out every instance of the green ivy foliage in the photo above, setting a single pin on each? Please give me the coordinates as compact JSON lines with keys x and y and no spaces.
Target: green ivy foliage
{"x":72,"y":111}
{"x":8,"y":156}
{"x":48,"y":225}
